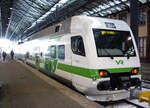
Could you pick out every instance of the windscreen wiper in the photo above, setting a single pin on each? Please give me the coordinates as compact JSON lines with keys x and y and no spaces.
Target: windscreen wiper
{"x":128,"y":56}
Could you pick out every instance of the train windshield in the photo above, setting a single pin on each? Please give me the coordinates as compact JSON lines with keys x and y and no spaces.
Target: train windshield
{"x":113,"y":43}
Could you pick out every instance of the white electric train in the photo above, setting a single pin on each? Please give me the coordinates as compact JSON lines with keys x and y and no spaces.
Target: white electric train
{"x":97,"y":55}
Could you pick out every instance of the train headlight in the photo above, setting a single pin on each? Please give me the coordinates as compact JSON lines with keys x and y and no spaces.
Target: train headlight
{"x":135,"y":71}
{"x":103,"y":73}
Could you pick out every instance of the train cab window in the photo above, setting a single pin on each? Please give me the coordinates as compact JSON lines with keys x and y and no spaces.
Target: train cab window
{"x":61,"y":52}
{"x":113,"y":43}
{"x":77,"y":45}
{"x":53,"y":51}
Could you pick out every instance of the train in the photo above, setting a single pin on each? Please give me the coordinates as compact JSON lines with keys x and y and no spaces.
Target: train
{"x":98,"y":56}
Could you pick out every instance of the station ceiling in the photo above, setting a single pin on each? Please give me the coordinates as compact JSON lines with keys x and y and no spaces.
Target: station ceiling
{"x":21,"y":18}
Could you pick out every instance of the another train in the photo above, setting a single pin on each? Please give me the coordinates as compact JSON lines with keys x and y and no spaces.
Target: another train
{"x":98,"y":56}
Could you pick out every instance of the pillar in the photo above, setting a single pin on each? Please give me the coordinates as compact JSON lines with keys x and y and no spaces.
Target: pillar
{"x":134,"y":5}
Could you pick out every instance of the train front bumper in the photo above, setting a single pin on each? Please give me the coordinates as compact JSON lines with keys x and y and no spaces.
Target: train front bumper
{"x":103,"y":92}
{"x":110,"y":95}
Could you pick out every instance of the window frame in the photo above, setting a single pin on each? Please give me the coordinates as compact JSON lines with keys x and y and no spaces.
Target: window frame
{"x":75,"y":52}
{"x":59,"y":53}
{"x":106,"y":51}
{"x":142,"y":16}
{"x":53,"y":57}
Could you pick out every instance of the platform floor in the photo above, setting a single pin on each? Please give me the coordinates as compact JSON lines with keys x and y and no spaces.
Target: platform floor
{"x":23,"y":89}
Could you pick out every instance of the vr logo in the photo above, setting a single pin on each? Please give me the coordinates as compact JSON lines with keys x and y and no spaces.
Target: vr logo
{"x":119,"y":62}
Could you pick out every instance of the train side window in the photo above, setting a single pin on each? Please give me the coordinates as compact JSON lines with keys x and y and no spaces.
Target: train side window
{"x":61,"y":52}
{"x":53,"y":51}
{"x":77,"y":45}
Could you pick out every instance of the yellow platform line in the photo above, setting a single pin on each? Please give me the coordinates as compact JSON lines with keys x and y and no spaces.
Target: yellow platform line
{"x":145,"y":97}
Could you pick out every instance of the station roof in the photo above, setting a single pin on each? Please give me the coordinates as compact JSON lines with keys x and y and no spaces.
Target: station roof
{"x":25,"y":17}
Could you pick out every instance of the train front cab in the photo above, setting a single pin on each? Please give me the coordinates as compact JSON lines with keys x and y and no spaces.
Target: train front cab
{"x":116,"y":48}
{"x":113,"y":61}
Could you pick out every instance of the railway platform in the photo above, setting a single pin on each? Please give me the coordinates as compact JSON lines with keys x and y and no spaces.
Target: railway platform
{"x":24,"y":87}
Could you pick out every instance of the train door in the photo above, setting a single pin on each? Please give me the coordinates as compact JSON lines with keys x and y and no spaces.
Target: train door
{"x":79,"y":59}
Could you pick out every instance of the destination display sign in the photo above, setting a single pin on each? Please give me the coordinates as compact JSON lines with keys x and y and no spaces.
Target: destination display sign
{"x":105,"y":32}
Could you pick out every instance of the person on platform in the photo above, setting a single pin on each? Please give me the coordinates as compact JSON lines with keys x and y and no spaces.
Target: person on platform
{"x":12,"y":54}
{"x":4,"y":55}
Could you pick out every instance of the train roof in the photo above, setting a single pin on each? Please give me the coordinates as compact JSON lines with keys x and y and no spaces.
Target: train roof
{"x":98,"y":22}
{"x":78,"y":24}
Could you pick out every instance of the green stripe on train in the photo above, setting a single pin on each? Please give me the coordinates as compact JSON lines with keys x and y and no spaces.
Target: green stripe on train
{"x":51,"y":66}
{"x":90,"y":73}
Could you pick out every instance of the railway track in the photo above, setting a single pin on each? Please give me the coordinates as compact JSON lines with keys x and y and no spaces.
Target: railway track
{"x":146,"y":84}
{"x":136,"y":104}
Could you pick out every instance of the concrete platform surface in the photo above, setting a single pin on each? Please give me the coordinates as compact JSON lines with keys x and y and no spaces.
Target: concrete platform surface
{"x":24,"y":87}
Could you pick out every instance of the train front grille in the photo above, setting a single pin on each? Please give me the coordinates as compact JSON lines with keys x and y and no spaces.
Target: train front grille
{"x":120,"y":81}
